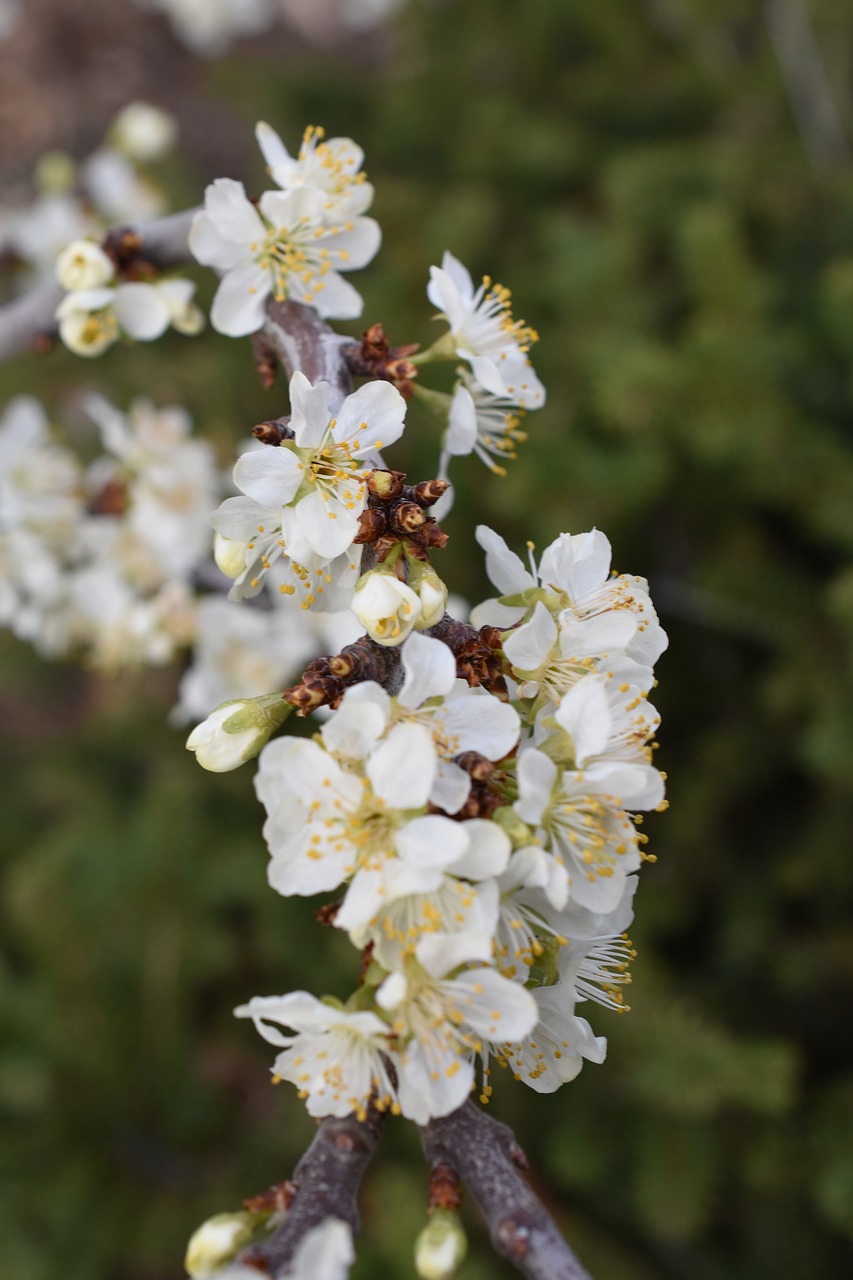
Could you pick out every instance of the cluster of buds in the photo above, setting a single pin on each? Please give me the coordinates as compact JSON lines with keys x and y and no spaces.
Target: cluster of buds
{"x":376,"y":358}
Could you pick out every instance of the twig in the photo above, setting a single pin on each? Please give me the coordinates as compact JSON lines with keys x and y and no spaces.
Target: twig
{"x":29,"y":319}
{"x":487,"y":1158}
{"x":327,"y":1181}
{"x":302,"y":341}
{"x":799,"y":58}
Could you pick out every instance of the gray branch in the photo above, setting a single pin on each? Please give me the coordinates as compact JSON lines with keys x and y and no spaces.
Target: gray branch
{"x":487,"y":1158}
{"x":327,"y":1181}
{"x":29,"y":319}
{"x":799,"y":58}
{"x":302,"y":341}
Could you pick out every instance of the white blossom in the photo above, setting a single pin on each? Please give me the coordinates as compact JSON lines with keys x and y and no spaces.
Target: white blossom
{"x":84,"y":265}
{"x":336,"y":1058}
{"x":483,"y":332}
{"x":284,"y":248}
{"x":332,"y":167}
{"x":303,"y":498}
{"x":387,"y":608}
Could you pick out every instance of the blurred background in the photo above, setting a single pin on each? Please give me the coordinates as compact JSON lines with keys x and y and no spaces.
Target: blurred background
{"x":666,"y":185}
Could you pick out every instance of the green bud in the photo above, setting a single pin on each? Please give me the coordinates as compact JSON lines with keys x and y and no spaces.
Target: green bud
{"x":518,"y":831}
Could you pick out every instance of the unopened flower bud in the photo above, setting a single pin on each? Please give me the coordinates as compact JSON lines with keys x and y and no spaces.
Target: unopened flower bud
{"x":84,"y":265}
{"x":441,"y":1247}
{"x":387,"y":608}
{"x":386,"y":485}
{"x":432,"y":594}
{"x":230,"y":555}
{"x":236,"y":731}
{"x":144,"y":132}
{"x":216,"y":1242}
{"x":55,"y":173}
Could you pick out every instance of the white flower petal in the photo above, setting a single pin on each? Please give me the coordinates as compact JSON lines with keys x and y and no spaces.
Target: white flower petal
{"x":239,"y":305}
{"x":269,"y":476}
{"x":430,"y":671}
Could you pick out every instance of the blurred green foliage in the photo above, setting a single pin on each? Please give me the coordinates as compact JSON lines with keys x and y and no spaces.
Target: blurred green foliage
{"x":633,"y":171}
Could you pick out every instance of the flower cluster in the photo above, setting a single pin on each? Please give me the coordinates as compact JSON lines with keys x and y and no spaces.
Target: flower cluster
{"x":303,"y":498}
{"x":99,"y":308}
{"x":79,"y":202}
{"x":293,"y":243}
{"x":488,"y":914}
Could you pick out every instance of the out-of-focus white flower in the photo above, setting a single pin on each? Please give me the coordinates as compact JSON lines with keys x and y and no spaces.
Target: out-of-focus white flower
{"x":441,"y":1247}
{"x":483,"y":332}
{"x":387,"y":608}
{"x":216,"y":1242}
{"x":118,"y":191}
{"x":84,"y":265}
{"x":332,"y":167}
{"x":284,"y":248}
{"x":92,"y":319}
{"x":144,"y":132}
{"x":208,"y":27}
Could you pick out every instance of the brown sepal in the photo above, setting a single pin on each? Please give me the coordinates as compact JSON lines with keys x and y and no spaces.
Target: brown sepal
{"x":266,"y":361}
{"x":445,"y":1191}
{"x":276,"y":1199}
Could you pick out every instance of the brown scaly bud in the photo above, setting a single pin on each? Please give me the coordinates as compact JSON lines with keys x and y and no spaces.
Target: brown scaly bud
{"x":375,"y":358}
{"x":277,"y":1199}
{"x":372,"y":525}
{"x":326,"y":915}
{"x":492,"y":637}
{"x":313,"y":691}
{"x":273,"y":432}
{"x":386,"y":486}
{"x":481,"y":803}
{"x":111,"y":500}
{"x":429,"y":491}
{"x":325,"y":680}
{"x":476,"y":660}
{"x":123,"y":246}
{"x":406,"y":518}
{"x":444,"y":1188}
{"x":432,"y":535}
{"x":478,"y":767}
{"x":266,"y":361}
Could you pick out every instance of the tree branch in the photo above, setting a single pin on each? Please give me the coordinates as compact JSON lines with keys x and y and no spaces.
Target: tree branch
{"x":487,"y":1157}
{"x":799,"y":58}
{"x":30,"y":318}
{"x":327,"y":1181}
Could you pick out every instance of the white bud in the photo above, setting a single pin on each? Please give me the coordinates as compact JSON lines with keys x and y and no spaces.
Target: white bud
{"x":144,"y":132}
{"x":216,"y":1242}
{"x":236,"y":731}
{"x":393,"y":991}
{"x":441,"y":1246}
{"x":230,"y":555}
{"x":84,"y":265}
{"x":387,"y":608}
{"x":432,"y":594}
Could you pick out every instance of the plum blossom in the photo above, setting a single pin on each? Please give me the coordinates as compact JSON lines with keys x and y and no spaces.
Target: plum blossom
{"x":303,"y":498}
{"x":337,"y":1059}
{"x":331,"y":167}
{"x":282,"y":249}
{"x":483,"y":332}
